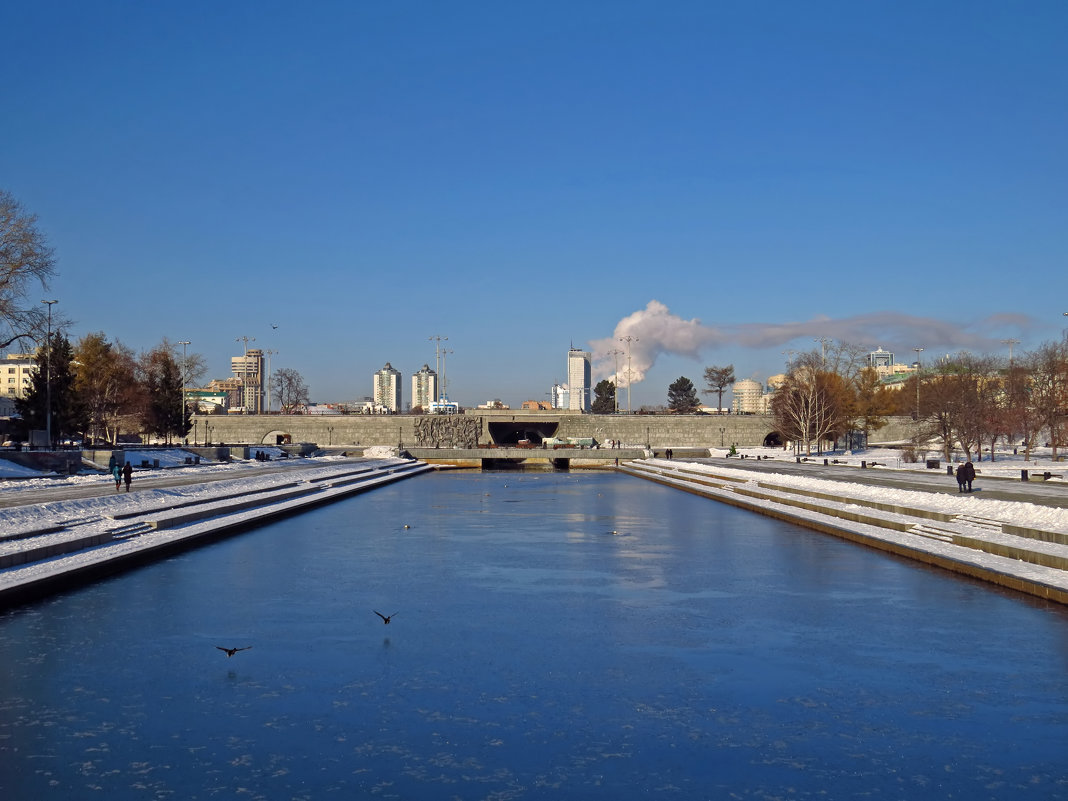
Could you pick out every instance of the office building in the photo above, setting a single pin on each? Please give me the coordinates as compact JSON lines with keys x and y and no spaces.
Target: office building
{"x":579,"y":376}
{"x":249,"y":370}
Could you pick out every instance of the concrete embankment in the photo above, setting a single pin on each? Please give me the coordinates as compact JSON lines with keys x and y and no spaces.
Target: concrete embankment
{"x":1018,"y":557}
{"x":35,"y":562}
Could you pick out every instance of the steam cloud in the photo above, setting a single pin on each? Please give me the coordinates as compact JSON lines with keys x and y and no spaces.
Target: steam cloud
{"x":655,"y":331}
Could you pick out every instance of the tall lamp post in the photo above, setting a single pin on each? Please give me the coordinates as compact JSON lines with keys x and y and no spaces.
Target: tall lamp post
{"x":244,"y":374}
{"x":48,"y":374}
{"x":269,"y":353}
{"x":628,"y":340}
{"x":185,"y":362}
{"x":918,"y":352}
{"x":615,"y":354}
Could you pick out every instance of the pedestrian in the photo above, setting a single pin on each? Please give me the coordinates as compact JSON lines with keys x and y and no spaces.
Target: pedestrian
{"x":961,"y":480}
{"x":116,"y":473}
{"x":127,"y":475}
{"x":969,"y":474}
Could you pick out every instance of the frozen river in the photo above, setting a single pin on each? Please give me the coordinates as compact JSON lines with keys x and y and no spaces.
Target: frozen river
{"x":556,"y":636}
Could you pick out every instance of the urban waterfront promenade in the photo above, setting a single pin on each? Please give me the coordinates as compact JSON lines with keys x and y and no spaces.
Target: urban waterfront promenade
{"x":1006,"y":543}
{"x":1003,"y":537}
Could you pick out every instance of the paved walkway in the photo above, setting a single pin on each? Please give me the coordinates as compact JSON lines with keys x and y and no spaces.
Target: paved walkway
{"x":935,"y":481}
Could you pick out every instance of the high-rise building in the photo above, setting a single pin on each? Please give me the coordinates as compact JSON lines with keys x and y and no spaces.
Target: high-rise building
{"x":388,"y":388}
{"x":424,"y":388}
{"x":579,"y":376}
{"x":249,"y":368}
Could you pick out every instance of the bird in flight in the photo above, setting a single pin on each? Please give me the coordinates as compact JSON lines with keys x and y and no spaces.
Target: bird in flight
{"x":384,"y":618}
{"x":273,"y":325}
{"x":231,"y":651}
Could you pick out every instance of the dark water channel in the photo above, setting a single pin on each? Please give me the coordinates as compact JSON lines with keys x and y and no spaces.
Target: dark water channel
{"x":583,"y":636}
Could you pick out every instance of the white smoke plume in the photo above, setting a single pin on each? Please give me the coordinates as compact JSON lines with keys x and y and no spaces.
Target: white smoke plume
{"x":655,"y":331}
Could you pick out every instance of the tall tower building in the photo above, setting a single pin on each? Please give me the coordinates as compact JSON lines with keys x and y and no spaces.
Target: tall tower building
{"x":249,"y":369}
{"x":388,"y":388}
{"x":579,"y":375}
{"x":424,"y":388}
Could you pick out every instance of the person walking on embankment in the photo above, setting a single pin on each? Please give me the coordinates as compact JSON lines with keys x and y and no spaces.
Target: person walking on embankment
{"x":116,"y":472}
{"x":969,"y":474}
{"x":127,"y":476}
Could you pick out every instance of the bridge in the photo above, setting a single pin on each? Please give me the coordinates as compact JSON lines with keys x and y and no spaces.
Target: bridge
{"x":481,"y":428}
{"x":504,"y":457}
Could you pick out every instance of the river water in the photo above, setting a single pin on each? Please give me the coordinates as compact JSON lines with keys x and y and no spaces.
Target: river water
{"x":584,"y":635}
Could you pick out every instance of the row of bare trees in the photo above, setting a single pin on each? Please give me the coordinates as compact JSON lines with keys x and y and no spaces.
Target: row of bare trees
{"x":969,"y":402}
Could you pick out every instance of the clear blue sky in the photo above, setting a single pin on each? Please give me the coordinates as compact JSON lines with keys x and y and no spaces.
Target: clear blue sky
{"x":723,"y":181}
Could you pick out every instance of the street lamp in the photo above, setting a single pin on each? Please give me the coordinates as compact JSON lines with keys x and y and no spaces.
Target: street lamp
{"x":615,"y":376}
{"x":269,"y":354}
{"x":185,"y":362}
{"x":918,"y":352}
{"x":48,"y":373}
{"x":628,"y":340}
{"x":244,"y":374}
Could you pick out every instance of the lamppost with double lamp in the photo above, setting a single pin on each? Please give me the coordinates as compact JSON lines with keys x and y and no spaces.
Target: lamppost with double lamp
{"x":615,"y":353}
{"x":269,"y":353}
{"x":48,"y":374}
{"x":628,"y":340}
{"x":185,"y":361}
{"x":918,"y":352}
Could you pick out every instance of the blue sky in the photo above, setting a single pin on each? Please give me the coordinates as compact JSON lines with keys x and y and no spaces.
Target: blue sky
{"x":723,"y":181}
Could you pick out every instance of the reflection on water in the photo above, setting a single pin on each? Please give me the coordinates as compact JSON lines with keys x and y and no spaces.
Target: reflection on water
{"x":585,"y":635}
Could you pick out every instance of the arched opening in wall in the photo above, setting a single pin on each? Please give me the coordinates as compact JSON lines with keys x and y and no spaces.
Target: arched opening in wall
{"x":276,"y":438}
{"x":773,"y":440}
{"x":515,"y":431}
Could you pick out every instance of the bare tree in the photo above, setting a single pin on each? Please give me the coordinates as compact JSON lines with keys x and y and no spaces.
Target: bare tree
{"x":718,"y":379}
{"x":812,"y":405}
{"x":105,"y":379}
{"x":1048,"y":391}
{"x":25,"y":260}
{"x":290,"y":390}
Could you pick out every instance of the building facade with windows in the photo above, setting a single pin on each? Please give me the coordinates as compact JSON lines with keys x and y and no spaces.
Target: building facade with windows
{"x":249,"y":370}
{"x":424,"y":388}
{"x":16,"y":374}
{"x":579,"y":376}
{"x":388,"y":389}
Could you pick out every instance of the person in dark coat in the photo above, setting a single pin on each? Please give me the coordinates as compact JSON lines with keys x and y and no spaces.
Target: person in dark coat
{"x":969,"y":474}
{"x":961,"y":480}
{"x":127,"y":475}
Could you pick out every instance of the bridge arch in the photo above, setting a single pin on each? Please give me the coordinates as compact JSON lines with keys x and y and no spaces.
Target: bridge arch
{"x":277,"y":437}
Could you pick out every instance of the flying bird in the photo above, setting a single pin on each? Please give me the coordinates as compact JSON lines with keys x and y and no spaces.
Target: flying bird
{"x":231,"y":651}
{"x":273,"y":325}
{"x":384,"y":618}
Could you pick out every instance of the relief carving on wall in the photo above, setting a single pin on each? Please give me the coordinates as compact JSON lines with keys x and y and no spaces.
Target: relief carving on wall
{"x":447,"y":431}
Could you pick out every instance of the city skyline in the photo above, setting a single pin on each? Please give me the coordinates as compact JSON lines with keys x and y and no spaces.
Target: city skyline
{"x":723,"y":184}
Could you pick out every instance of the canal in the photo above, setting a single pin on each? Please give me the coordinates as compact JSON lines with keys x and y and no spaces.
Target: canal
{"x":583,"y":635}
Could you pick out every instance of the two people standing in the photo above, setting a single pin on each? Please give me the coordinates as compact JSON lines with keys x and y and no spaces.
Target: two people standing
{"x":965,"y":476}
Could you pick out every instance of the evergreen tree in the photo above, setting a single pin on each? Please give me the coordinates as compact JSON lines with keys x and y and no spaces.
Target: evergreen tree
{"x":682,"y":396}
{"x":53,"y":378}
{"x":164,"y":413}
{"x":604,"y":401}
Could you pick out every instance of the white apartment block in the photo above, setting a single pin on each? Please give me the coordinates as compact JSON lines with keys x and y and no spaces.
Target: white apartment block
{"x":749,"y":397}
{"x":388,"y":389}
{"x":424,"y":388}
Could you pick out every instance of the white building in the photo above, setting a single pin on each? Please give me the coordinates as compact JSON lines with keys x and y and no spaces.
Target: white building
{"x":424,"y":388}
{"x":388,"y":388}
{"x":16,"y":373}
{"x":558,"y":396}
{"x":579,"y":377}
{"x":749,"y":397}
